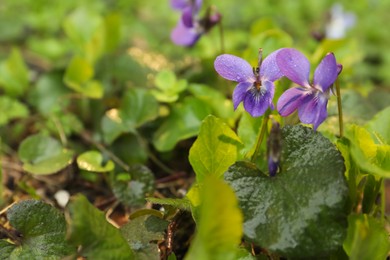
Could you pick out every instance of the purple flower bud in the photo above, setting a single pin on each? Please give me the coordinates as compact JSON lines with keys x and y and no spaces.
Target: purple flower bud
{"x":274,"y":148}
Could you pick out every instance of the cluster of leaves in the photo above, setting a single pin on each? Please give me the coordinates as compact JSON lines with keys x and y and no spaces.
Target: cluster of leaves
{"x":92,"y":103}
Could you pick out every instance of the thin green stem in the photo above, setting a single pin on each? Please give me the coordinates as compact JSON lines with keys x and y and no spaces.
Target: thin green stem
{"x":340,"y":108}
{"x":383,"y":200}
{"x":221,"y":36}
{"x":260,"y":137}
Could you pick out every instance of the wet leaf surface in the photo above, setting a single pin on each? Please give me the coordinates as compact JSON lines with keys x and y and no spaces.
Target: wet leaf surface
{"x":301,"y":212}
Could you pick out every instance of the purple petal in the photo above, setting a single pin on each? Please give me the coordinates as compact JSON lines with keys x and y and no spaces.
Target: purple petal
{"x":313,"y":110}
{"x":197,"y":5}
{"x":269,"y":69}
{"x":256,"y":103}
{"x":326,"y":73}
{"x":290,"y":100}
{"x":179,"y":4}
{"x":239,"y":93}
{"x":234,"y":68}
{"x":339,"y":68}
{"x":294,"y":65}
{"x":187,"y":17}
{"x":184,"y":36}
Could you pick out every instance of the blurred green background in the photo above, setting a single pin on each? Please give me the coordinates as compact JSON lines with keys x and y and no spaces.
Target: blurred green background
{"x":125,"y":43}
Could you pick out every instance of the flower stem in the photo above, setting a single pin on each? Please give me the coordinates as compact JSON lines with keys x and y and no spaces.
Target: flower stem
{"x":340,"y":108}
{"x":383,"y":199}
{"x":260,"y":137}
{"x":221,"y":36}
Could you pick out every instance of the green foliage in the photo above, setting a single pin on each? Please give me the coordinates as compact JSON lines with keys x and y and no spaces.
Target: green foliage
{"x":12,"y":109}
{"x":78,"y":77}
{"x":215,"y":149}
{"x":183,"y":122}
{"x":301,"y":212}
{"x":42,"y":230}
{"x":104,"y":75}
{"x":97,"y":238}
{"x":93,"y":161}
{"x":220,"y":224}
{"x":366,"y":239}
{"x":142,"y":233}
{"x":379,"y":127}
{"x":368,"y":155}
{"x":43,"y":155}
{"x":14,"y":74}
{"x":168,"y":87}
{"x":132,"y":190}
{"x":138,"y":107}
{"x":183,"y":204}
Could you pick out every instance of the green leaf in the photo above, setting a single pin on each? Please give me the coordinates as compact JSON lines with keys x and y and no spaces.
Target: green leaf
{"x":133,"y":192}
{"x":112,"y":126}
{"x":11,"y":109}
{"x":367,"y":238}
{"x":6,"y":249}
{"x":220,"y":105}
{"x":112,"y":26}
{"x":93,"y":161}
{"x":78,"y":76}
{"x":369,"y":156}
{"x":42,"y":230}
{"x":301,"y":212}
{"x":81,"y":25}
{"x":379,"y":126}
{"x":131,"y":149}
{"x":168,"y":86}
{"x":183,"y":122}
{"x":138,"y":107}
{"x":43,"y":155}
{"x":214,"y":150}
{"x":142,"y":234}
{"x":183,"y":204}
{"x":371,"y":192}
{"x":14,"y":74}
{"x":219,"y":228}
{"x":48,"y":93}
{"x":89,"y":230}
{"x":247,"y":131}
{"x":355,"y":107}
{"x":78,"y":72}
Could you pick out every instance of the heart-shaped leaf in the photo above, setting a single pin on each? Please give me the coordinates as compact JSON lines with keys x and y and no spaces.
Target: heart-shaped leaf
{"x":215,"y":149}
{"x":42,"y":230}
{"x":301,"y":212}
{"x":43,"y":155}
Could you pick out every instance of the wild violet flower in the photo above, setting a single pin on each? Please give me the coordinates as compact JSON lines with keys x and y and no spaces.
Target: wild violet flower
{"x":310,"y":99}
{"x":190,"y":27}
{"x":255,"y":86}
